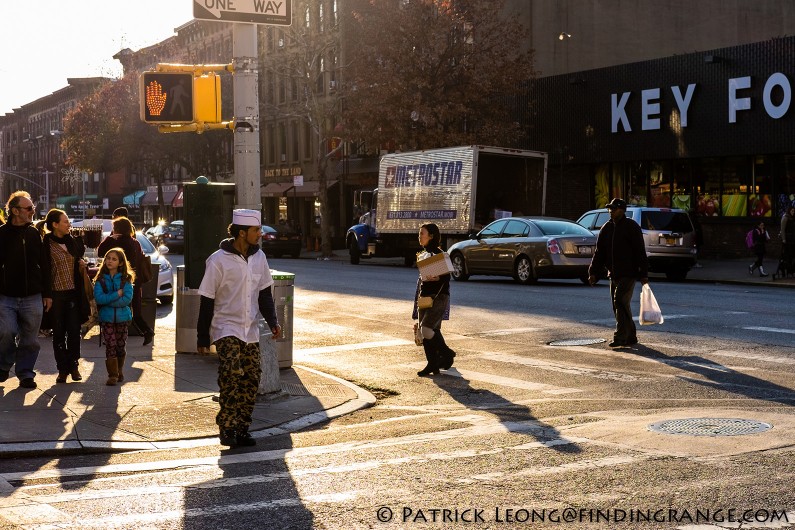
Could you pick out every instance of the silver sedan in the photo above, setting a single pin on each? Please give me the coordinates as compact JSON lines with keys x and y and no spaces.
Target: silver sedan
{"x":527,"y":248}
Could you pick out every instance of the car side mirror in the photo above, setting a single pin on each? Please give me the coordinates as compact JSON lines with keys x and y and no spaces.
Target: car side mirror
{"x":162,"y":249}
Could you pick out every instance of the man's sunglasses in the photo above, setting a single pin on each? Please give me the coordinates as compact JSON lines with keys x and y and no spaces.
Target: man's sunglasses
{"x":28,"y":208}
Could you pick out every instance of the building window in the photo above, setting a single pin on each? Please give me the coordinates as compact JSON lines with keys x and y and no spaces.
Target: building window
{"x":294,"y":133}
{"x":270,"y":141}
{"x":638,"y":184}
{"x":321,"y":23}
{"x":706,"y":181}
{"x":760,"y":198}
{"x":282,"y":143}
{"x":308,"y":143}
{"x":682,"y":195}
{"x":334,"y":13}
{"x":736,"y":186}
{"x":660,"y":184}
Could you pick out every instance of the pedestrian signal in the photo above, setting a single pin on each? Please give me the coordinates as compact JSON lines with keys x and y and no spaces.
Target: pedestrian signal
{"x":166,"y":97}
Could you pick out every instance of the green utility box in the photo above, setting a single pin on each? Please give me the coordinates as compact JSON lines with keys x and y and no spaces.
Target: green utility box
{"x":208,"y":214}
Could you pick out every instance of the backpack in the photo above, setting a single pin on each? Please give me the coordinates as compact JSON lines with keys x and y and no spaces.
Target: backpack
{"x":749,"y":239}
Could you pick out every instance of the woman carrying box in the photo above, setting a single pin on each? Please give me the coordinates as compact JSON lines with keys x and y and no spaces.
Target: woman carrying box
{"x":438,"y":354}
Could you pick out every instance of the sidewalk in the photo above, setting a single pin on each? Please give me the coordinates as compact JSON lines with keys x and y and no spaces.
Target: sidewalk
{"x":167,"y":399}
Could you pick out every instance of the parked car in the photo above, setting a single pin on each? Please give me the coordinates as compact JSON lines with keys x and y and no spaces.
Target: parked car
{"x":527,"y":248}
{"x":170,"y":234}
{"x":668,"y":233}
{"x":279,"y":242}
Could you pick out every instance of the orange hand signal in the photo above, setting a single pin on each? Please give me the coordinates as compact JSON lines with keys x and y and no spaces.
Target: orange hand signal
{"x":155,"y":99}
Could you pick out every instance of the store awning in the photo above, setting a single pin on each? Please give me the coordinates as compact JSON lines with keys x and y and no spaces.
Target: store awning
{"x":150,"y":199}
{"x":309,"y":189}
{"x":177,"y":202}
{"x":276,"y":189}
{"x":134,"y":198}
{"x":62,"y":203}
{"x":354,"y":166}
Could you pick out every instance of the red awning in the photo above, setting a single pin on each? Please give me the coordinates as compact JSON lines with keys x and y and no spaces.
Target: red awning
{"x":177,"y":202}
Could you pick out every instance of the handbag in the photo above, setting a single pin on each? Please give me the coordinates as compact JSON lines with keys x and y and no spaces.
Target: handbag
{"x":417,"y":334}
{"x":650,"y":312}
{"x":424,"y":302}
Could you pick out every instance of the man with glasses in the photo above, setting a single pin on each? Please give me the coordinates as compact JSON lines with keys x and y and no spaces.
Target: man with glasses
{"x":24,"y":290}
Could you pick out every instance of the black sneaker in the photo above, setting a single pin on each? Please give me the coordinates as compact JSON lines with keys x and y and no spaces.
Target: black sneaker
{"x":28,"y":382}
{"x":245,"y":439}
{"x":4,"y":375}
{"x":616,"y":344}
{"x":228,"y":437}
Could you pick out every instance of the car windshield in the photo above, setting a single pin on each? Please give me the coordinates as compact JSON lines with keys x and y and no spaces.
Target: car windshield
{"x":146,"y":245}
{"x":561,"y":228}
{"x":666,"y":221}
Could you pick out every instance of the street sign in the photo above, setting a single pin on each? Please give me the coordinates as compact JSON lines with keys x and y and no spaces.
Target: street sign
{"x":166,"y":97}
{"x":274,"y":12}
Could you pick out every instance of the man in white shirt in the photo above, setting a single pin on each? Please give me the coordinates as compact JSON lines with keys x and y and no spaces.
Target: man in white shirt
{"x":236,"y":288}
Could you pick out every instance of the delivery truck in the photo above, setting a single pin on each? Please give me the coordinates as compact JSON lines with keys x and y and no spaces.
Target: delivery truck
{"x":461,"y":189}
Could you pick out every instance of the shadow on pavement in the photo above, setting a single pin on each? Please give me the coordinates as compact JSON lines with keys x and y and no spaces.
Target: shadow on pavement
{"x":505,"y":411}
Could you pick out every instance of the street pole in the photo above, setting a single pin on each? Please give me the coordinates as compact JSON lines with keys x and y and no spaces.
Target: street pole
{"x":247,"y":172}
{"x":246,"y":104}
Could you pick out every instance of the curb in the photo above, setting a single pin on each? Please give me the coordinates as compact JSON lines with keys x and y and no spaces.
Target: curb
{"x":363,"y":399}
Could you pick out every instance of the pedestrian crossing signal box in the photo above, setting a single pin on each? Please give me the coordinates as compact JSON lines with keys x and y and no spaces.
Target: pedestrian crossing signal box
{"x":179,"y":97}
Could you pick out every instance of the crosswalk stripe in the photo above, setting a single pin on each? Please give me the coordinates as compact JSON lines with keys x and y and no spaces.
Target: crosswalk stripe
{"x":772,"y":330}
{"x":351,"y":347}
{"x":503,"y":381}
{"x":565,"y":368}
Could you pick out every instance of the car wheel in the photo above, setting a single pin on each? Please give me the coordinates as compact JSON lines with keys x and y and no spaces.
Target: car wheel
{"x":459,"y":268}
{"x":523,"y":271}
{"x":677,"y":275}
{"x":354,"y":252}
{"x":166,"y":300}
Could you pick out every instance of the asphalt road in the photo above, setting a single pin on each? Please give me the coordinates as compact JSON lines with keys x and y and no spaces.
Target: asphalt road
{"x":520,"y":434}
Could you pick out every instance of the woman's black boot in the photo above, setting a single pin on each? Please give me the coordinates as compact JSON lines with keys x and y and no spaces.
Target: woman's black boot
{"x":446,"y":355}
{"x":432,"y":357}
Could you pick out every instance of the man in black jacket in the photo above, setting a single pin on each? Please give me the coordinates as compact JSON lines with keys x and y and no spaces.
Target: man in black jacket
{"x":25,"y":290}
{"x":620,"y":249}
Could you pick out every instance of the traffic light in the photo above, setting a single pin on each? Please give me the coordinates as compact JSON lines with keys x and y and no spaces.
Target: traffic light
{"x":207,"y":98}
{"x":167,"y":97}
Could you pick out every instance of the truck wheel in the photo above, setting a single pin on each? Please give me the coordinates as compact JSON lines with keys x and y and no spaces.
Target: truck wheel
{"x":409,"y":260}
{"x":584,"y":279}
{"x":459,"y":268}
{"x":523,"y":271}
{"x":354,"y":252}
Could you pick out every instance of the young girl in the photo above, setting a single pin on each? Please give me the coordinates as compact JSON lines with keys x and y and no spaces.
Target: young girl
{"x":113,"y":292}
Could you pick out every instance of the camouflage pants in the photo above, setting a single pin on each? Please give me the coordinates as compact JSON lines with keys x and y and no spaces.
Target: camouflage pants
{"x":238,"y":380}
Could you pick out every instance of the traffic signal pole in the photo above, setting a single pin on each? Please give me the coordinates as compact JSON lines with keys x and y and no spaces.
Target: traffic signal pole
{"x":246,"y":126}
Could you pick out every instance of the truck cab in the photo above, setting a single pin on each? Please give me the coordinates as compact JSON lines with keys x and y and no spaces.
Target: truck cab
{"x":362,"y":239}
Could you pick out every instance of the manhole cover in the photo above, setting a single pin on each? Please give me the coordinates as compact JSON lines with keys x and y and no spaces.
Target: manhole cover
{"x":710,"y":426}
{"x":575,"y":342}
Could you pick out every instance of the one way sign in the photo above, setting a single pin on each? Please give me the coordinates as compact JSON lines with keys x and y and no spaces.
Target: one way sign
{"x":275,"y":12}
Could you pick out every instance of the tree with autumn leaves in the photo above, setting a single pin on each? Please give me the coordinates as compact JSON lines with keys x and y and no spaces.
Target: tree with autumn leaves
{"x":104,"y":133}
{"x":435,"y":73}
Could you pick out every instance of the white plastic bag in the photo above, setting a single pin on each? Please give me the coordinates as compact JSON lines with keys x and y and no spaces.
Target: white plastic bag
{"x":650,"y":312}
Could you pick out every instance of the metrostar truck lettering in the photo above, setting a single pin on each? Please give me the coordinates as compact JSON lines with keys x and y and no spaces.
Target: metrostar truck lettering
{"x":445,"y":173}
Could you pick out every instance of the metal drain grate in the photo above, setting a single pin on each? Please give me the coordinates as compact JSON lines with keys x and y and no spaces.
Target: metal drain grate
{"x":297,"y":389}
{"x":575,"y":342}
{"x":710,"y":426}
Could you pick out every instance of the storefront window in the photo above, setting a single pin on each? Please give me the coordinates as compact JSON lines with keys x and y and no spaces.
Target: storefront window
{"x":601,"y":185}
{"x":706,"y":181}
{"x":760,"y":198}
{"x":736,"y":186}
{"x":681,"y":185}
{"x":617,"y":188}
{"x":660,"y":184}
{"x":638,"y":184}
{"x":786,"y":192}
